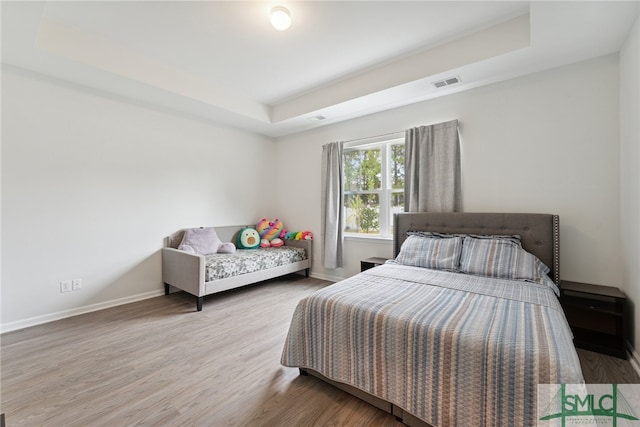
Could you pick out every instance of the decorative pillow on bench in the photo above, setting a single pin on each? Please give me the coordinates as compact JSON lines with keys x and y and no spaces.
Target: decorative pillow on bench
{"x":204,"y":241}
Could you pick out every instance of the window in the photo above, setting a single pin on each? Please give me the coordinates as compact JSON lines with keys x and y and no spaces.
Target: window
{"x":373,"y":185}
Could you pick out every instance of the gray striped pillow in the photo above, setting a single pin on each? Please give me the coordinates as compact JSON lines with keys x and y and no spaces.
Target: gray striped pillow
{"x":501,"y":258}
{"x":431,"y":252}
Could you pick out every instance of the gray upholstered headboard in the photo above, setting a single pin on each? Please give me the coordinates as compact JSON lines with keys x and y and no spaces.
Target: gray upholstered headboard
{"x":539,"y":232}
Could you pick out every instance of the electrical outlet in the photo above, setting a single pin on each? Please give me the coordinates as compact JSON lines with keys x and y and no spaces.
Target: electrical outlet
{"x":76,"y":284}
{"x":65,"y":286}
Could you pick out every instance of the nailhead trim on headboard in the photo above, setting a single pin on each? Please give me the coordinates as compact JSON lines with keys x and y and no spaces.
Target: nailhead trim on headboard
{"x":556,"y":249}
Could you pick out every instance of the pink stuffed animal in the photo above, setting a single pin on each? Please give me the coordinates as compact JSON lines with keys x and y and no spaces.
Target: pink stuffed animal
{"x":269,"y":229}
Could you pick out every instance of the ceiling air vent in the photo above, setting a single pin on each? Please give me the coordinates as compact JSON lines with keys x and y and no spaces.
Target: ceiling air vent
{"x":447,"y":82}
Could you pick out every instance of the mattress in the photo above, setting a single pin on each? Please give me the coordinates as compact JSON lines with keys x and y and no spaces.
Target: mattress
{"x":242,"y":261}
{"x":450,"y":348}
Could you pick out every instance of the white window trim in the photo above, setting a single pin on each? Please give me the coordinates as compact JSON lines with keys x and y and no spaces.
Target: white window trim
{"x":369,"y":238}
{"x":384,"y":193}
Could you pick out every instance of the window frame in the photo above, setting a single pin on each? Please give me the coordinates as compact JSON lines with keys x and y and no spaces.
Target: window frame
{"x":385,"y":191}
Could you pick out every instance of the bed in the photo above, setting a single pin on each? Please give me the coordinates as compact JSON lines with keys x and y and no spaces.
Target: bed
{"x":436,"y":346}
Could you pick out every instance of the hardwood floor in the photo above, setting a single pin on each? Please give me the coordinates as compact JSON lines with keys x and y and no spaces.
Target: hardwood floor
{"x":602,"y":369}
{"x":159,"y":362}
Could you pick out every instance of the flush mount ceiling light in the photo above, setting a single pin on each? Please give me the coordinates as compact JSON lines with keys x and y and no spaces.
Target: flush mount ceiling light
{"x":280,"y":18}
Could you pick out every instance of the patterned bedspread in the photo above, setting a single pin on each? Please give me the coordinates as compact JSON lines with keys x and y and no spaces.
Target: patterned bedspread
{"x":450,"y":348}
{"x":220,"y":266}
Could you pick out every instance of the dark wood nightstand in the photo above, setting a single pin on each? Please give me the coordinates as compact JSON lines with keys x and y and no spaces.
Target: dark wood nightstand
{"x":597,"y":316}
{"x":368,"y":263}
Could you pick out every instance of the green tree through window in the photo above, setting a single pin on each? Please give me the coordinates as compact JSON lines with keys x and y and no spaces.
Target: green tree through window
{"x":373,"y":185}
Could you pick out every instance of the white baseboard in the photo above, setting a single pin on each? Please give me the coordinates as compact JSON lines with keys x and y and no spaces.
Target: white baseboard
{"x":634,"y":358}
{"x":326,"y":277}
{"x":38,"y":320}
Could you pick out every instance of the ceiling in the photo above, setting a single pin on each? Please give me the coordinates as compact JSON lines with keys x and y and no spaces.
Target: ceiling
{"x":223,"y":62}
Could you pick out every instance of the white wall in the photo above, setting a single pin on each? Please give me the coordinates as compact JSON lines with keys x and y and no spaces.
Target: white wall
{"x":630,"y":175}
{"x":92,"y":184}
{"x":547,"y":142}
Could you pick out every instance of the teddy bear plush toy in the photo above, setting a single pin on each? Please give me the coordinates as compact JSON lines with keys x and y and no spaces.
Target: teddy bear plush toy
{"x":204,"y":241}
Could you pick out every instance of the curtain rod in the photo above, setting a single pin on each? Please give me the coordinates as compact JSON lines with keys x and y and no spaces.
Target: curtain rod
{"x":396,"y":132}
{"x":373,"y":137}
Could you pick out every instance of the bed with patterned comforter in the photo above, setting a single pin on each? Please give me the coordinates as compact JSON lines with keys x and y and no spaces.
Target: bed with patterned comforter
{"x":449,"y":348}
{"x":458,"y":330}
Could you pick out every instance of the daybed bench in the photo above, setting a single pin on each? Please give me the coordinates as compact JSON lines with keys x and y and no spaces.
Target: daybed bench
{"x":202,"y":275}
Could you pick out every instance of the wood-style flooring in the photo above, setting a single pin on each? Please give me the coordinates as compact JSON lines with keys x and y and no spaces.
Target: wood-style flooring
{"x":158,"y":362}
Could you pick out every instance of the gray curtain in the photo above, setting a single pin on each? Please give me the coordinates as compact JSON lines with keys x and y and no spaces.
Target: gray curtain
{"x":432,"y":168}
{"x":331,"y":205}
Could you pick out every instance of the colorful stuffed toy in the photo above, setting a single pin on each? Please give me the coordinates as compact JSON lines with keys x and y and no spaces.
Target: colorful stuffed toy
{"x":276,"y":243}
{"x":262,"y":226}
{"x":291,"y":235}
{"x":270,"y":232}
{"x":298,"y":235}
{"x":248,"y":238}
{"x":269,"y":229}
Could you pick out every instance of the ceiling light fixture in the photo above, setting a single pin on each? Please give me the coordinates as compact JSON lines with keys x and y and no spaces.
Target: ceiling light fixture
{"x":280,"y":18}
